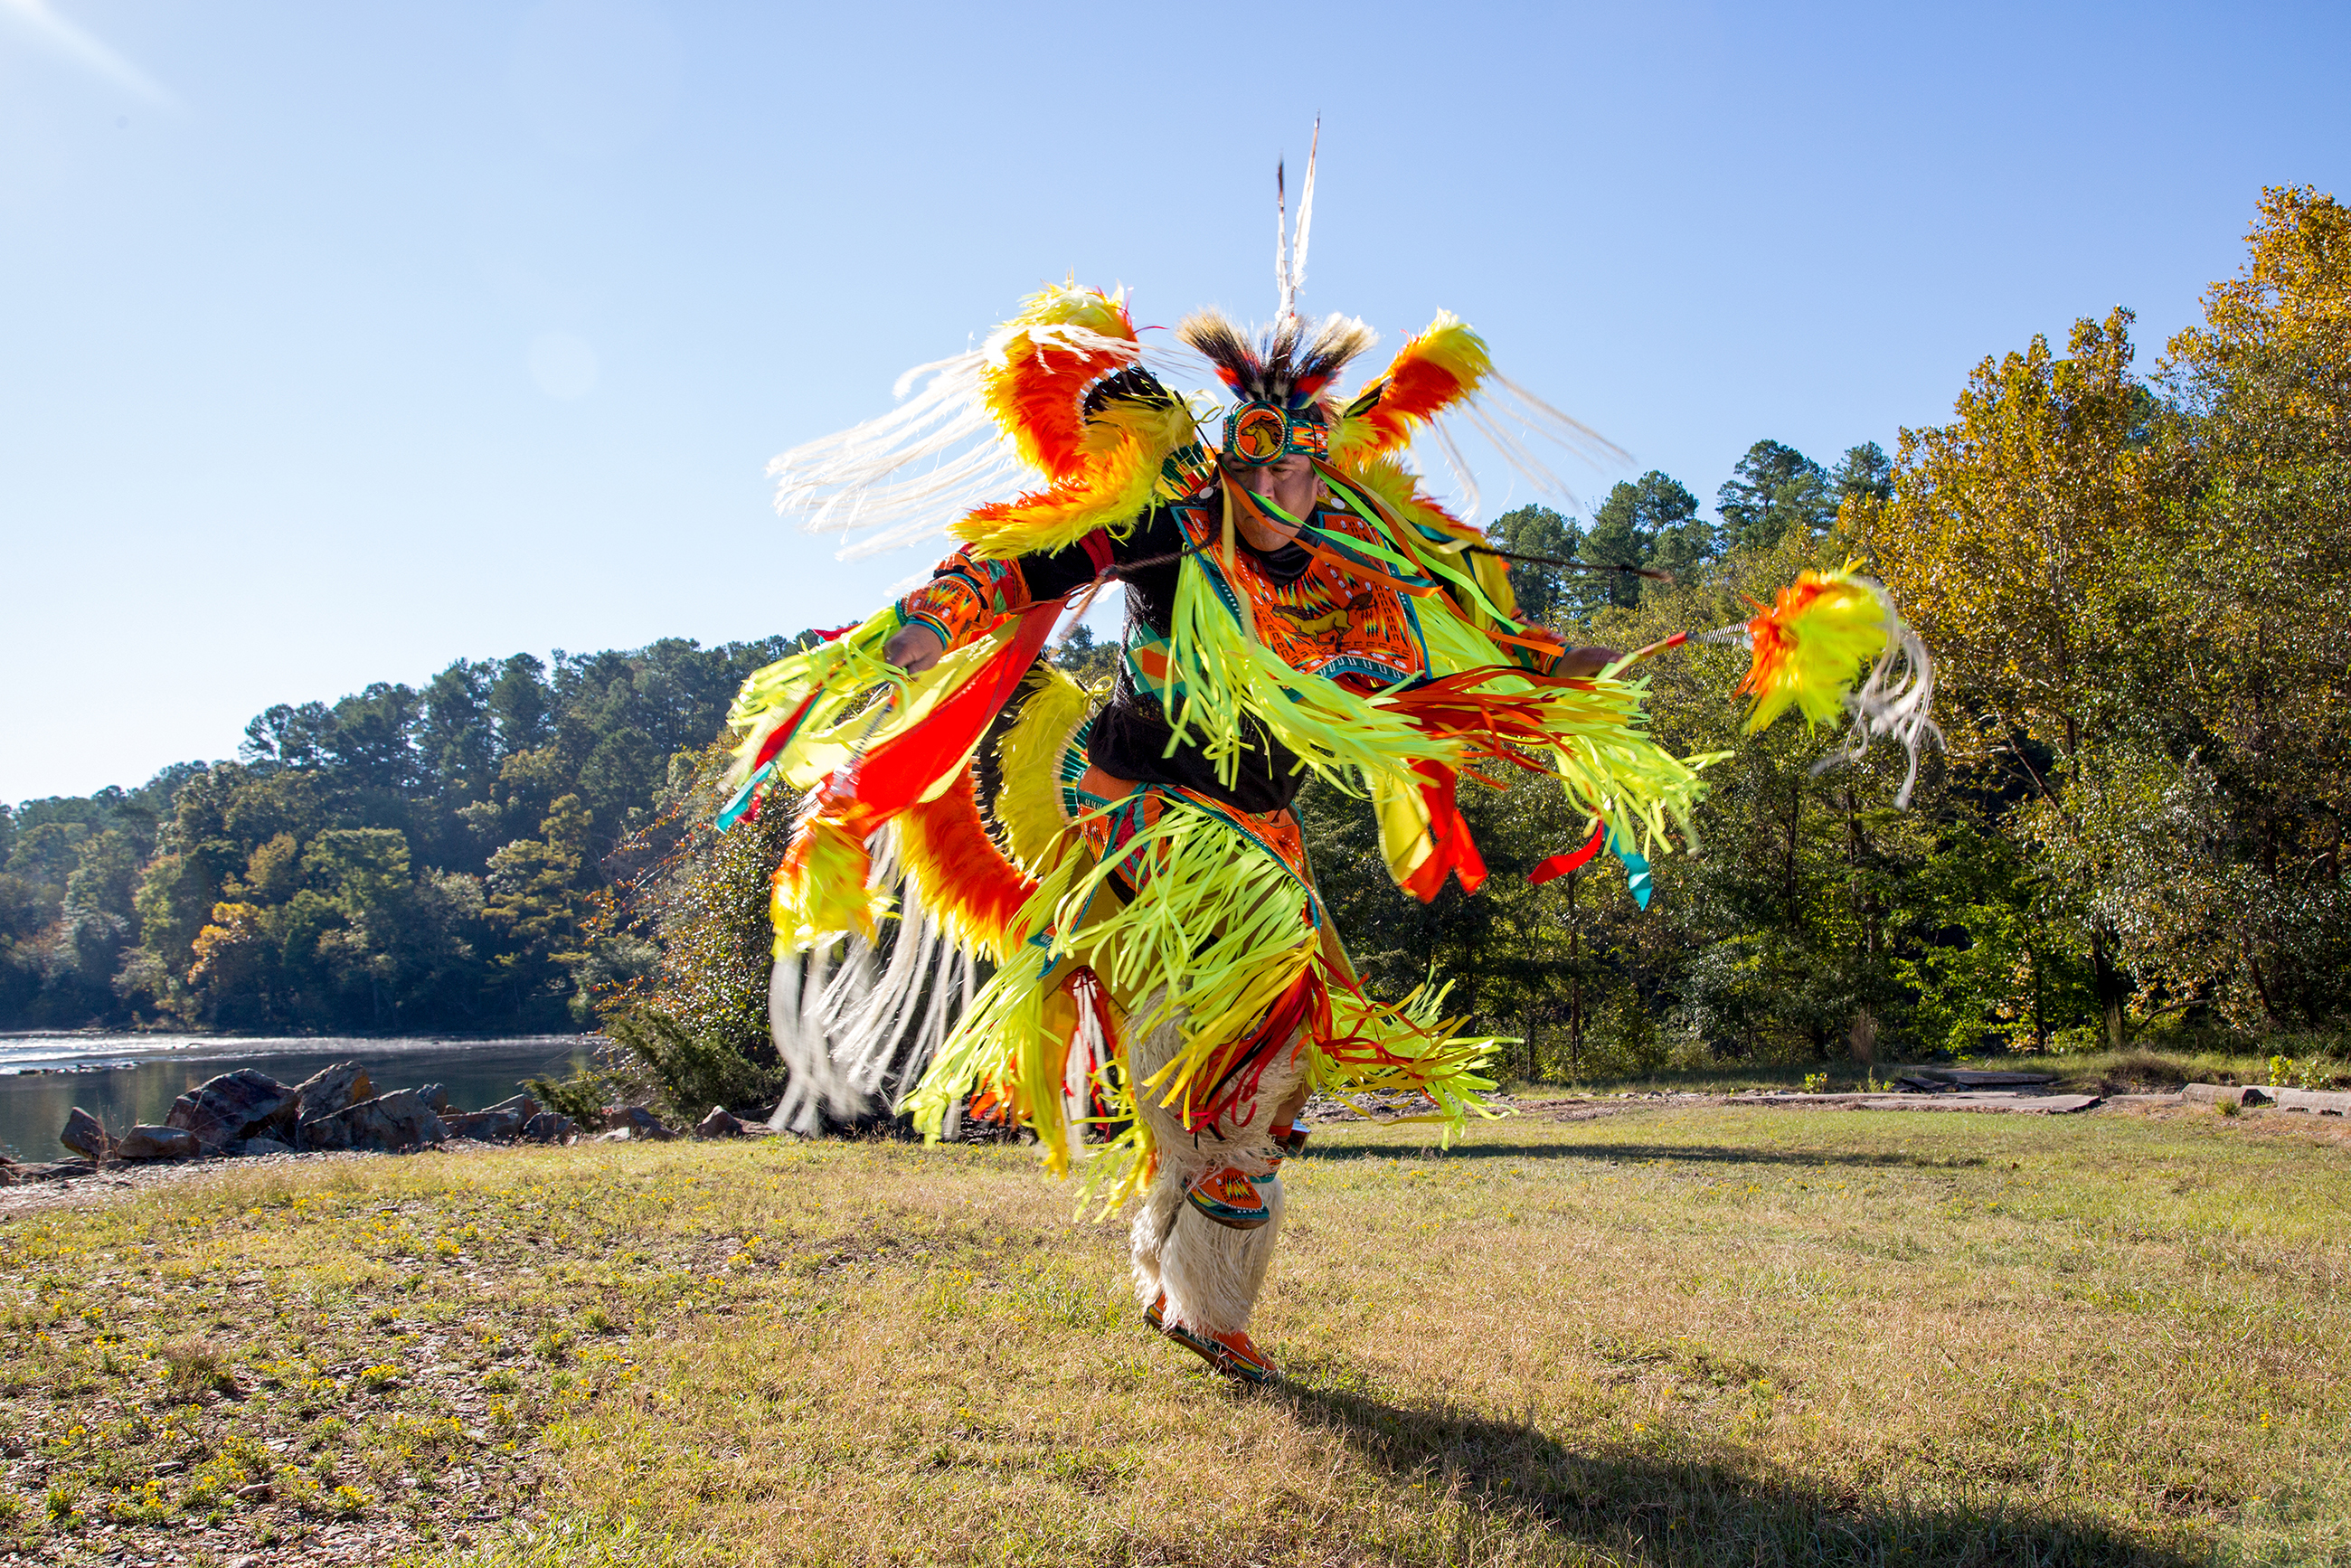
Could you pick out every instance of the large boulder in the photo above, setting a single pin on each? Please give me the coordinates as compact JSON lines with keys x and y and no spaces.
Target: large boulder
{"x":436,"y":1098}
{"x":498,"y":1124}
{"x":638,"y":1123}
{"x":399,"y":1120}
{"x":720,"y":1123}
{"x":331,"y":1089}
{"x":549,"y":1127}
{"x":85,"y":1136}
{"x":486,"y":1126}
{"x":240,"y":1105}
{"x":145,"y":1142}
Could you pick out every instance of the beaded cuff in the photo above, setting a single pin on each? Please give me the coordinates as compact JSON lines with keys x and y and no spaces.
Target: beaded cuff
{"x":966,"y":598}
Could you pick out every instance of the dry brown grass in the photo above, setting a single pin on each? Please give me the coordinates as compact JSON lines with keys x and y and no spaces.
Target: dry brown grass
{"x":1699,"y":1336}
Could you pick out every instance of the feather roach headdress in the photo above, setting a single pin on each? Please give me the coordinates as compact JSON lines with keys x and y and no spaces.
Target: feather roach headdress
{"x":1280,"y":378}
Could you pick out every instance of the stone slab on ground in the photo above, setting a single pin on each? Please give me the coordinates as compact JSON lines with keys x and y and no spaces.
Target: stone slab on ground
{"x":2226,"y":1095}
{"x":1989,"y":1101}
{"x":1941,"y":1079}
{"x":2319,"y":1101}
{"x":52,"y":1170}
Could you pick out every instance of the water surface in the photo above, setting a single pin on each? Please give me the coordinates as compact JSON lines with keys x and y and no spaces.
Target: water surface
{"x":123,"y":1079}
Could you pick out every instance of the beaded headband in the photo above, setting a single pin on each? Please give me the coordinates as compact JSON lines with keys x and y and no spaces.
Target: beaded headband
{"x":1259,"y":431}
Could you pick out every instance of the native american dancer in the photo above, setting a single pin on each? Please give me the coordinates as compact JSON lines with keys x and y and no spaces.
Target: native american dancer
{"x":1164,"y":978}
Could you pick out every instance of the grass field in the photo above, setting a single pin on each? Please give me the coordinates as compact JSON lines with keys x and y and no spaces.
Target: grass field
{"x":1701,"y":1336}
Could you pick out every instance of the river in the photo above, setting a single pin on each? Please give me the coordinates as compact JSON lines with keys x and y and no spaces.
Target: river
{"x":123,"y":1079}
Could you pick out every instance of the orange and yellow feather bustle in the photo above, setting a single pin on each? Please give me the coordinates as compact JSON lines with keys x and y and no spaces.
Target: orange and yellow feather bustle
{"x":1105,"y":467}
{"x":1041,"y":362}
{"x":1443,"y":366}
{"x":966,"y":881}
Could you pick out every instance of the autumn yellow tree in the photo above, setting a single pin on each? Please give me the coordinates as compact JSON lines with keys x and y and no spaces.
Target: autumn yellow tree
{"x":2017,"y":540}
{"x":2255,"y":602}
{"x":2140,"y":591}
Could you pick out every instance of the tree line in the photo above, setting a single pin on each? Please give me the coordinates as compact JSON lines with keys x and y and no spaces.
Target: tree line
{"x":2134,"y":584}
{"x":405,"y":858}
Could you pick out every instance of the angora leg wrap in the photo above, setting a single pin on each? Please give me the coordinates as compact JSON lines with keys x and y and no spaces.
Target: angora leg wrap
{"x":1211,"y":1273}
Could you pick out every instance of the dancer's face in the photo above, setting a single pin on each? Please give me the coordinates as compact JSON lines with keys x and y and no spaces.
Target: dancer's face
{"x":1290,"y":482}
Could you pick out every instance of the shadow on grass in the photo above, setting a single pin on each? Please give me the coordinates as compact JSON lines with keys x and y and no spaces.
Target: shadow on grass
{"x":1621,"y":1153}
{"x":1696,"y":1507}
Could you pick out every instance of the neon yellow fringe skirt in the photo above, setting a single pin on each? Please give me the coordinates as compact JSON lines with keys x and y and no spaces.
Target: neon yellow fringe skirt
{"x":1161,"y":905}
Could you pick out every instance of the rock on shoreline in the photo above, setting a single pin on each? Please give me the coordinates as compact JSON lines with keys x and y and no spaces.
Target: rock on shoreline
{"x":249,"y":1114}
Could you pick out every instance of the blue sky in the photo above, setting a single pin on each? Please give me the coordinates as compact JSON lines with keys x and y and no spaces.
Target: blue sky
{"x":344,"y":341}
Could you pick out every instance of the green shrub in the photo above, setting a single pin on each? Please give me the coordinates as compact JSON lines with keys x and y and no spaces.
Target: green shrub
{"x":695,"y":1070}
{"x":581,"y":1097}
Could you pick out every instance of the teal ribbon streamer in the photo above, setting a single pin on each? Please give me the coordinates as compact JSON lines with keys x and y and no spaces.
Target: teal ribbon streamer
{"x":1636,"y":869}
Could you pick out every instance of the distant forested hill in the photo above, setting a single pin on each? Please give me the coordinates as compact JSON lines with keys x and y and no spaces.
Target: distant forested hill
{"x":405,"y":859}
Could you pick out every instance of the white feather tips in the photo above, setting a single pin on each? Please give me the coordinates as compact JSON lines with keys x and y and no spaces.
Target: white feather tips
{"x":1515,"y":423}
{"x":1894,"y":702}
{"x":856,"y":1038}
{"x":908,"y":474}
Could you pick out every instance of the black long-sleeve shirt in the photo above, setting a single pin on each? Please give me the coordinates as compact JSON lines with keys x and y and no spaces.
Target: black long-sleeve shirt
{"x":1131,"y":735}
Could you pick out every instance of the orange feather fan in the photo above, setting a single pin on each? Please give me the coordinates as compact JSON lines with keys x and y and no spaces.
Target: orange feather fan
{"x":1041,"y":362}
{"x":1811,"y":643}
{"x":1107,"y":483}
{"x":1429,"y":374}
{"x":966,"y":883}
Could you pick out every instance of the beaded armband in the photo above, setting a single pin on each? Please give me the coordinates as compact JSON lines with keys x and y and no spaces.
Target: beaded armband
{"x":966,"y":598}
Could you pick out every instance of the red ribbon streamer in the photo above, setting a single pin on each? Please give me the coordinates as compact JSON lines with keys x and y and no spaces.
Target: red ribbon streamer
{"x":1560,"y":865}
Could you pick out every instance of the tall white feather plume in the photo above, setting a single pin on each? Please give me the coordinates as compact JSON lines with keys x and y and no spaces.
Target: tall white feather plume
{"x":1282,"y":292}
{"x":1305,"y":221}
{"x":1290,"y":254}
